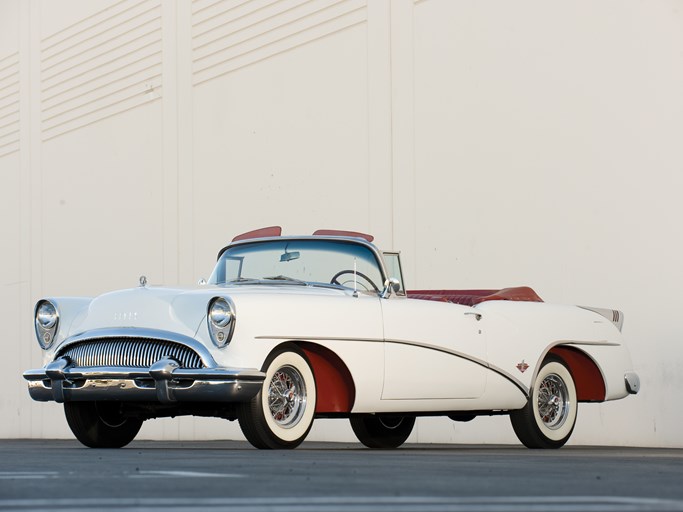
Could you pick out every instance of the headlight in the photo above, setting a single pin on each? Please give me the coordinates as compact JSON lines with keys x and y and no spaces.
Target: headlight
{"x":46,"y":322}
{"x":220,"y":313}
{"x":46,"y":315}
{"x":221,"y":319}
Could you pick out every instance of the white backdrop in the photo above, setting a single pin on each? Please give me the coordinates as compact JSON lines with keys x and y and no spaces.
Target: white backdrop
{"x":494,"y":143}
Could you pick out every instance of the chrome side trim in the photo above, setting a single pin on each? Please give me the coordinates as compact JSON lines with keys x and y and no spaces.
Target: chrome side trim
{"x":138,"y":332}
{"x":590,"y":343}
{"x":519,"y":384}
{"x":318,"y":338}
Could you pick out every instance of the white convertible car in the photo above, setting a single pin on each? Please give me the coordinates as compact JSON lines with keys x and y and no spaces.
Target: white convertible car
{"x":293,"y":328}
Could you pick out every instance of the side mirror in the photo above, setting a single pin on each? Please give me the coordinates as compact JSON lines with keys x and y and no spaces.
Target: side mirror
{"x":391,"y":286}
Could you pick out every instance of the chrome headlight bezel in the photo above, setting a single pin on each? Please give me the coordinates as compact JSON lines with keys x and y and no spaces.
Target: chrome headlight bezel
{"x":220,"y":317}
{"x":46,"y":322}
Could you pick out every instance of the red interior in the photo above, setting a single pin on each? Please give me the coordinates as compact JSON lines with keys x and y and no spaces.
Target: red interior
{"x":474,"y":297}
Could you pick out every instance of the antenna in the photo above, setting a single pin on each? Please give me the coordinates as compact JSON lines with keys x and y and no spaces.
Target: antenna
{"x":355,"y":280}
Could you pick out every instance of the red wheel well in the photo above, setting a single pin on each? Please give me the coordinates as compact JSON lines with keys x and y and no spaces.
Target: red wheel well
{"x":590,"y":386}
{"x":334,"y":383}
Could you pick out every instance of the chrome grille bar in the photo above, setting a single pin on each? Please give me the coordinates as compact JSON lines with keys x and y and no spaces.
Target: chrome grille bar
{"x":130,"y":352}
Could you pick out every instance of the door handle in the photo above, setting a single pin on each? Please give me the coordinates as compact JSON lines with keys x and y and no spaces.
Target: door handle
{"x":476,"y":315}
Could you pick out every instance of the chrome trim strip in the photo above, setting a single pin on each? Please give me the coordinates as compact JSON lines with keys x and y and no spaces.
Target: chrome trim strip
{"x":318,"y":338}
{"x":471,"y":359}
{"x":522,"y":387}
{"x":590,"y":343}
{"x":139,"y":332}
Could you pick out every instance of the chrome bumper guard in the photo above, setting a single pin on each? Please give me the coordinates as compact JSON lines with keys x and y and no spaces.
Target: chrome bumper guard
{"x":164,"y":382}
{"x":632,"y":382}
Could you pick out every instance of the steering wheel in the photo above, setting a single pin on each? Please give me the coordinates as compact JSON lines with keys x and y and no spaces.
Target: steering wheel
{"x":335,"y":279}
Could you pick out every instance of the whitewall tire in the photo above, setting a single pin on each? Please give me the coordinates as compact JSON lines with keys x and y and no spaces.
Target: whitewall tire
{"x":281,"y":414}
{"x":548,"y":419}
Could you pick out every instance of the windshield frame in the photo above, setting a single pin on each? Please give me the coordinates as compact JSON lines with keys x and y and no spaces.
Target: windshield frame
{"x":379,"y":259}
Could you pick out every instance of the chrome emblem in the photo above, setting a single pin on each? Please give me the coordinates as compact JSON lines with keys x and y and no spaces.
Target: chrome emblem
{"x":126,"y":316}
{"x":143,"y":281}
{"x":522,"y":367}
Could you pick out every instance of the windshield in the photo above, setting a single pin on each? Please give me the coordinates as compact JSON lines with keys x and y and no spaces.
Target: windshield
{"x":306,"y":262}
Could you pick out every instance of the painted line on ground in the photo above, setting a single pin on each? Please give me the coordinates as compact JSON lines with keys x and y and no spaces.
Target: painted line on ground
{"x":354,"y":504}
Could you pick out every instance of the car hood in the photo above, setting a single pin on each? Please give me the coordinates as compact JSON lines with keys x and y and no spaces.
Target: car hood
{"x":180,"y":310}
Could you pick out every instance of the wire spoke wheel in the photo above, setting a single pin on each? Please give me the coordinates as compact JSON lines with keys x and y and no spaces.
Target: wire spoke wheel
{"x":553,"y":401}
{"x":287,"y":396}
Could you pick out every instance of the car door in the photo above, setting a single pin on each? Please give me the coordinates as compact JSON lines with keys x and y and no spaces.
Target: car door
{"x":433,"y":350}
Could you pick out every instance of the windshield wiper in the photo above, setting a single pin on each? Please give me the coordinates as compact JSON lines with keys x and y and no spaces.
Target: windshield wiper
{"x":243,"y":280}
{"x":286,"y":278}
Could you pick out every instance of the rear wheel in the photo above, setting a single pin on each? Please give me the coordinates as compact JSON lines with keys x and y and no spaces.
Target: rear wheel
{"x":382,"y":431}
{"x":281,"y":414}
{"x":548,"y":419}
{"x":101,"y":424}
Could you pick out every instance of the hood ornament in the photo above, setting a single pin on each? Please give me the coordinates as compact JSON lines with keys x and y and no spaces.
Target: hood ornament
{"x":143,"y":281}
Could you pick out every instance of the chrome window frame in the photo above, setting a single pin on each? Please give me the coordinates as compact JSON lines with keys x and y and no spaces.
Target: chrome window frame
{"x":379,"y":257}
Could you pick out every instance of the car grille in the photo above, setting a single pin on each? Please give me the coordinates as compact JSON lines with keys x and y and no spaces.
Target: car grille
{"x":131,"y":352}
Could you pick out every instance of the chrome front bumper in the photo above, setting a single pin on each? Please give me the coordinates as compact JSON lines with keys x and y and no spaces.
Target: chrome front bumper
{"x":162,"y":382}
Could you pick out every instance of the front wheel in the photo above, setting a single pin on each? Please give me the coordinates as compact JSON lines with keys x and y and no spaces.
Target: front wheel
{"x":281,"y":414}
{"x":101,"y":424}
{"x":548,"y":419}
{"x":382,"y":431}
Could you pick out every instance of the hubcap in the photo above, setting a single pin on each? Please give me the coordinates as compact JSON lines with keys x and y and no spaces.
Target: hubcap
{"x":553,"y":401}
{"x":287,"y":396}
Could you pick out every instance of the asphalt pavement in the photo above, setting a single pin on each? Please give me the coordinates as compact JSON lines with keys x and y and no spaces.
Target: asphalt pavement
{"x":211,"y":476}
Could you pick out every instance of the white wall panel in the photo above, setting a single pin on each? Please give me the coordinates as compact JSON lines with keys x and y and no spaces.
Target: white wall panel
{"x":12,"y":403}
{"x":537,"y":142}
{"x":495,"y":143}
{"x":12,"y":399}
{"x":108,"y":193}
{"x":103,"y":65}
{"x":9,"y":102}
{"x":293,"y":155}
